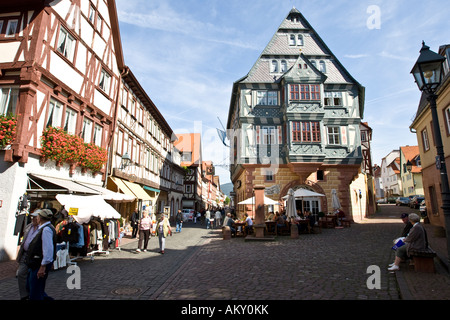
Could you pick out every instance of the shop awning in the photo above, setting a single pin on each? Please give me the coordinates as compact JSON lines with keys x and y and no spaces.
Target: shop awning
{"x":67,"y":185}
{"x":87,"y":207}
{"x":110,"y":195}
{"x":151,"y":189}
{"x":131,"y":188}
{"x":138,"y":191}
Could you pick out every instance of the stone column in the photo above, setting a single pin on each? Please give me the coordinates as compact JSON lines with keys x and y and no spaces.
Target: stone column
{"x":259,"y":224}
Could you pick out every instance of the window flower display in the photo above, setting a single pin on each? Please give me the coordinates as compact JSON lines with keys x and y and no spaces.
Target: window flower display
{"x":58,"y":145}
{"x":8,"y":126}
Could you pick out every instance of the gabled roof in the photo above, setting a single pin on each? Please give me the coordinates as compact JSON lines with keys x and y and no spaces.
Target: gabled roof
{"x":298,"y":72}
{"x":278,"y":46}
{"x":411,"y":153}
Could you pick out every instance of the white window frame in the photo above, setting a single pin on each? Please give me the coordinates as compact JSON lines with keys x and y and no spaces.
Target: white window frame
{"x":105,"y":81}
{"x":9,"y":97}
{"x":447,"y":118}
{"x":334,"y":135}
{"x":86,"y":133}
{"x":70,"y":123}
{"x":54,"y":117}
{"x":333,"y":99}
{"x":266,"y":98}
{"x":425,"y":140}
{"x":284,"y":66}
{"x":269,"y":135}
{"x":98,"y":135}
{"x":11,"y":31}
{"x":292,"y":40}
{"x":91,"y":17}
{"x":66,"y":44}
{"x":274,"y":66}
{"x":322,"y":66}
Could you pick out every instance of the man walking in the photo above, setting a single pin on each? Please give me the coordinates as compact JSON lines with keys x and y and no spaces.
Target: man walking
{"x":135,"y":222}
{"x":40,"y":255}
{"x":179,"y":221}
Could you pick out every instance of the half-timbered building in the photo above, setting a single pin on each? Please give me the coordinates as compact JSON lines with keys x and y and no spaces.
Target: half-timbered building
{"x":142,"y":135}
{"x":60,"y":66}
{"x":294,"y":121}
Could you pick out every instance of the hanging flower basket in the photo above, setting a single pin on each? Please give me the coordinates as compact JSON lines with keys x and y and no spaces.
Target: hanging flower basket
{"x":8,"y":126}
{"x":62,"y":147}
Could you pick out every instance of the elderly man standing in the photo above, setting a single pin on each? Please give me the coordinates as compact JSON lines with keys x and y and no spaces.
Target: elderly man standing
{"x":22,"y":272}
{"x":40,"y":255}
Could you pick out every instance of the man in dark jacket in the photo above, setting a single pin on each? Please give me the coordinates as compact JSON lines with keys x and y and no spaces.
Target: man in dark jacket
{"x":40,"y":255}
{"x":408,"y":225}
{"x":135,"y":222}
{"x":22,"y":272}
{"x":179,"y":221}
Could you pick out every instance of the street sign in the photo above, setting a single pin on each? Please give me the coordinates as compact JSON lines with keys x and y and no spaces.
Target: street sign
{"x":73,"y":211}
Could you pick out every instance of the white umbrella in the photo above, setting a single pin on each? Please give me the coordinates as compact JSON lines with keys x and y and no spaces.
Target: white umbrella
{"x":267,"y":201}
{"x":290,"y":205}
{"x":302,"y":193}
{"x":335,"y":200}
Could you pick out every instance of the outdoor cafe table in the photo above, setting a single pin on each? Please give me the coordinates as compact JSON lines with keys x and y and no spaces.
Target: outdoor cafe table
{"x":270,"y":227}
{"x":304,"y":222}
{"x":237,"y":225}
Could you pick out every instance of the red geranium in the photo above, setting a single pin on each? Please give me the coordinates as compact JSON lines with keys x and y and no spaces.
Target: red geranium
{"x":8,"y":126}
{"x":60,"y":146}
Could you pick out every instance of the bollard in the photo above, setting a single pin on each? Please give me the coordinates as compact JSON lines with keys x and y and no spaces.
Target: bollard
{"x":226,"y":233}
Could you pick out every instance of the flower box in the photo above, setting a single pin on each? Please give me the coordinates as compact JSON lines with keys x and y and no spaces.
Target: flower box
{"x":8,"y":126}
{"x":58,"y":145}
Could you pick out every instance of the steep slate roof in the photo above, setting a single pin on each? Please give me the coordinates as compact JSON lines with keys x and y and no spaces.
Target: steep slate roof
{"x":313,"y":48}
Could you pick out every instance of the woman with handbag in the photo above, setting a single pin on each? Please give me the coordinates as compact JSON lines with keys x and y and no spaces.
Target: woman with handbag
{"x":163,"y":230}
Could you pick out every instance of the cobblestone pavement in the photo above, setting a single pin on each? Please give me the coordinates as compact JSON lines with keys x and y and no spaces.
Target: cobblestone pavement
{"x":199,"y":265}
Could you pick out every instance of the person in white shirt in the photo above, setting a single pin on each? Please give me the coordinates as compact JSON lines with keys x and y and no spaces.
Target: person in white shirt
{"x":218,"y":217}
{"x":249,"y":224}
{"x":207,"y":218}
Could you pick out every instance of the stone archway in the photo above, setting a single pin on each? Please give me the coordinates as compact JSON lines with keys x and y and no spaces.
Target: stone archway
{"x":310,"y":185}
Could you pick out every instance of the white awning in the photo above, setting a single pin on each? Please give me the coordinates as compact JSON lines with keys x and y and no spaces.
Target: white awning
{"x":110,"y":195}
{"x":68,"y":185}
{"x":88,"y":207}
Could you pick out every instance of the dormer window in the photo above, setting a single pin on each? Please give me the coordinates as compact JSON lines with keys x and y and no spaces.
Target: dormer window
{"x":274,"y":66}
{"x":322,"y":66}
{"x":292,"y":40}
{"x":283,"y":66}
{"x":296,"y":40}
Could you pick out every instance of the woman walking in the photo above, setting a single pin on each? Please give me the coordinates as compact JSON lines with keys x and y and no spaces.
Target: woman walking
{"x":163,"y":230}
{"x":145,"y":226}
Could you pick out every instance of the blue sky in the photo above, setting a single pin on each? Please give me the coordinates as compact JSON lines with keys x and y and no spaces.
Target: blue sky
{"x":187,"y":54}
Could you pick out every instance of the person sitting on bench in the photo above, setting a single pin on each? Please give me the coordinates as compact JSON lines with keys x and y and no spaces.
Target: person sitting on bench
{"x":416,"y":240}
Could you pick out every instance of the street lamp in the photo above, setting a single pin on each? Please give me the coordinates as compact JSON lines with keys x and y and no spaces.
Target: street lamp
{"x":428,"y":74}
{"x":125,"y":162}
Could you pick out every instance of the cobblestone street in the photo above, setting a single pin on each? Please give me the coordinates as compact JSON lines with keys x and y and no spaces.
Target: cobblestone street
{"x":198,"y":264}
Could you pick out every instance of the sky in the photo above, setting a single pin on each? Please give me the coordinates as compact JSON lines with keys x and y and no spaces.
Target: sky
{"x":187,"y":54}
